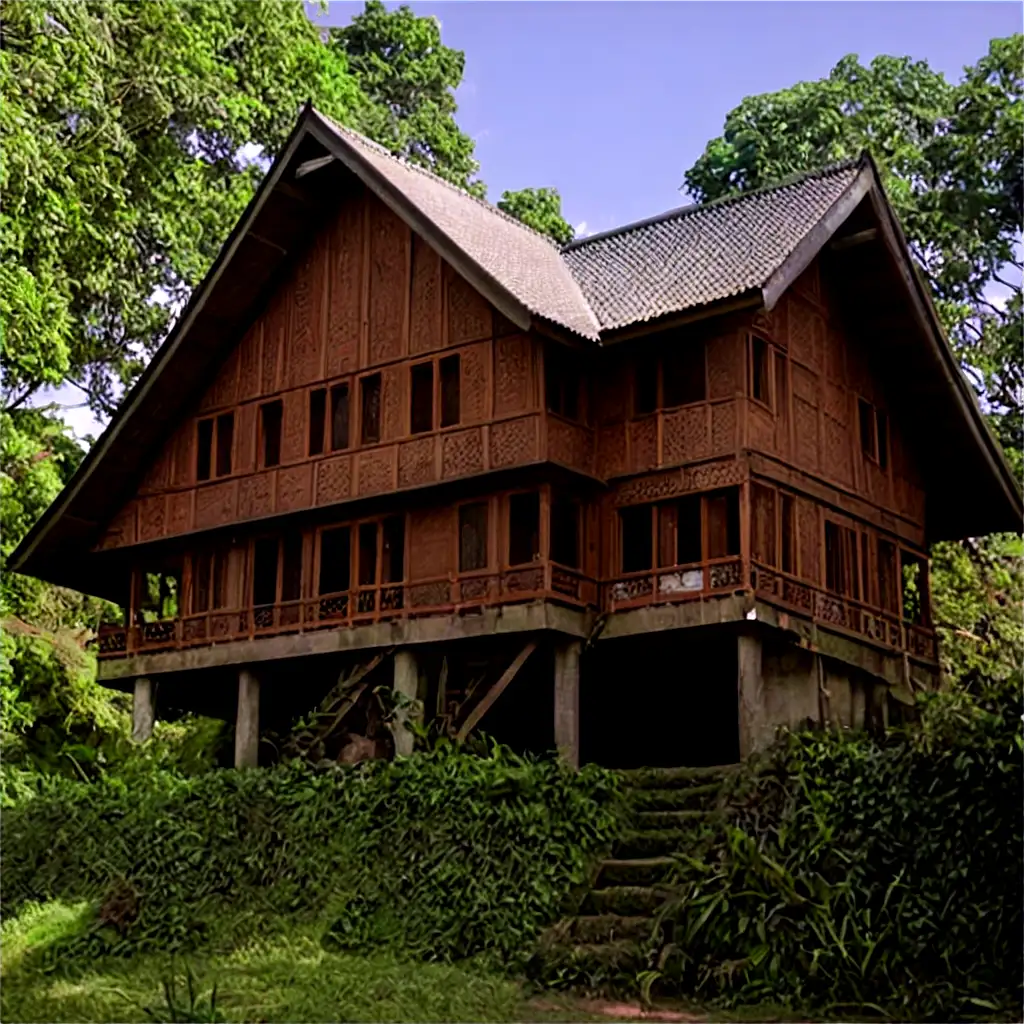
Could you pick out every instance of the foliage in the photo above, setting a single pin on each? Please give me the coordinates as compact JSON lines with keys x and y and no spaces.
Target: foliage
{"x":409,"y":78}
{"x":540,"y":209}
{"x":860,"y":873}
{"x":950,"y":161}
{"x":443,"y":855}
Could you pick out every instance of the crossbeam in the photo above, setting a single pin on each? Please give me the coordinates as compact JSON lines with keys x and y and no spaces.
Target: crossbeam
{"x":489,"y":698}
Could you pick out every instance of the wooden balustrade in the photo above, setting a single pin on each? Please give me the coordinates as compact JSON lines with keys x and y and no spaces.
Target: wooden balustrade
{"x":713,"y":577}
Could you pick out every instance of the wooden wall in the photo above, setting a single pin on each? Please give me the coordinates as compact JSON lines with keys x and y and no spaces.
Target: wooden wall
{"x":368,"y":296}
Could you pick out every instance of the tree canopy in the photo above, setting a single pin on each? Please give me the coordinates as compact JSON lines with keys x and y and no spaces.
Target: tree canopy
{"x":540,"y":209}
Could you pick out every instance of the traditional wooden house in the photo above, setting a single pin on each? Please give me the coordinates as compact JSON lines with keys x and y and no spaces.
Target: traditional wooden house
{"x":396,"y":428}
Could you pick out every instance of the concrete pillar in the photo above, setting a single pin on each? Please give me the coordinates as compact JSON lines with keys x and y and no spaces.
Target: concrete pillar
{"x":143,"y":710}
{"x":567,"y":701}
{"x":247,"y":720}
{"x":407,"y":683}
{"x":755,"y":733}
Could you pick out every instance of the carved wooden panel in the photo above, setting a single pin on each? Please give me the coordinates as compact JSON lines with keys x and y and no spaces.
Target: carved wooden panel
{"x":121,"y":530}
{"x":375,"y":470}
{"x":836,"y":401}
{"x":250,"y":363}
{"x":179,"y":512}
{"x":643,"y":444}
{"x":389,"y":284}
{"x":274,"y":327}
{"x":806,"y":333}
{"x":334,"y":480}
{"x":808,"y":539}
{"x":245,"y":439}
{"x":256,"y":496}
{"x":723,"y":427}
{"x":294,"y":431}
{"x":305,"y":342}
{"x":513,"y":442}
{"x":431,"y":547}
{"x":416,"y":462}
{"x":346,"y":290}
{"x":469,"y":313}
{"x":476,"y":386}
{"x":708,"y":476}
{"x":570,"y":444}
{"x":685,"y":435}
{"x":294,"y":488}
{"x":462,"y":453}
{"x":394,"y":415}
{"x":152,"y":518}
{"x":513,"y":367}
{"x":611,"y":451}
{"x":224,"y":388}
{"x":215,"y":505}
{"x":425,"y":315}
{"x":724,"y":364}
{"x":760,"y":428}
{"x":837,"y":451}
{"x":805,"y":418}
{"x":158,"y":477}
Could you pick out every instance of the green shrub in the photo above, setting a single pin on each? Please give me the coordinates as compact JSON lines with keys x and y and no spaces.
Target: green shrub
{"x":442,"y":855}
{"x":860,"y":873}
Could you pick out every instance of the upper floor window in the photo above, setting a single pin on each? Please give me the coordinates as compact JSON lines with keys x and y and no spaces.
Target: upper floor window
{"x":563,"y":382}
{"x":435,"y":394}
{"x":209,"y":581}
{"x":473,"y":536}
{"x":675,"y":376}
{"x":759,"y":385}
{"x":215,"y":438}
{"x":328,"y":432}
{"x":773,"y":527}
{"x":370,"y":408}
{"x":270,"y":431}
{"x":523,"y":528}
{"x":874,"y":433}
{"x":565,"y":532}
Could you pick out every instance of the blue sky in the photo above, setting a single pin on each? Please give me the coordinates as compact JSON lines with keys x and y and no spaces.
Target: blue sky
{"x":612,"y":102}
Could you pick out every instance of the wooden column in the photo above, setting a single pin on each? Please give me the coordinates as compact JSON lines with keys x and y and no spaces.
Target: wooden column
{"x":750,"y":690}
{"x":143,"y":710}
{"x":247,"y":720}
{"x":567,"y":701}
{"x":406,"y":684}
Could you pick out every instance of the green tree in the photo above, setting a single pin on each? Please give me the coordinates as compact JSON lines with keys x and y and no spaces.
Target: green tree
{"x":409,"y":78}
{"x":540,"y":209}
{"x":122,"y":125}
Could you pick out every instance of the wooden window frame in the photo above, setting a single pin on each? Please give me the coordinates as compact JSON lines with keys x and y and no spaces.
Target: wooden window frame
{"x":558,"y":359}
{"x":879,"y":454}
{"x":360,"y":384}
{"x":354,"y":526}
{"x":658,"y":359}
{"x":261,"y":436}
{"x":770,"y":350}
{"x":214,"y":420}
{"x":506,"y":539}
{"x":488,"y":504}
{"x":437,"y":394}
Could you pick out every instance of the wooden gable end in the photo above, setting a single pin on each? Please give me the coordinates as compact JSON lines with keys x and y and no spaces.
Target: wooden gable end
{"x":368,"y":298}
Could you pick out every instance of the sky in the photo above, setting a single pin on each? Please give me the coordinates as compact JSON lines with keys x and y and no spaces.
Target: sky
{"x":610,"y":103}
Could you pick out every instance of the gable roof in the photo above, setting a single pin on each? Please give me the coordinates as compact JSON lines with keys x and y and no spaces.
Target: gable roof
{"x":752,"y":245}
{"x":699,"y":254}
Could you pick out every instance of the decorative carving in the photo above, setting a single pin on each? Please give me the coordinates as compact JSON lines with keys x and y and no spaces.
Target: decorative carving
{"x":611,"y":451}
{"x":571,"y":445}
{"x":514,"y":442}
{"x":806,"y":330}
{"x":713,"y":475}
{"x":761,"y":428}
{"x":425,"y":316}
{"x":723,"y":428}
{"x":302,"y":354}
{"x":523,"y":581}
{"x":294,"y":488}
{"x":643,"y":444}
{"x":806,"y":417}
{"x":462,"y":453}
{"x":158,"y":476}
{"x":723,"y":359}
{"x":431,"y":535}
{"x":805,"y":384}
{"x":685,"y":435}
{"x":836,"y":404}
{"x":121,"y":530}
{"x":294,"y":431}
{"x":565,"y":582}
{"x":245,"y":438}
{"x":469,"y":313}
{"x":512,"y":365}
{"x":725,"y":575}
{"x":275,"y":323}
{"x":346,"y":288}
{"x":224,"y":388}
{"x":808,"y":539}
{"x":376,"y":471}
{"x":184,"y":453}
{"x":152,"y":517}
{"x":651,"y":488}
{"x":429,"y":595}
{"x":334,"y":480}
{"x":416,"y":462}
{"x":393,"y":402}
{"x":256,"y":495}
{"x":249,"y":363}
{"x":389,"y":283}
{"x":179,"y":514}
{"x":475,"y":588}
{"x":633,"y":589}
{"x":837,"y":451}
{"x":215,"y":505}
{"x":475,"y":386}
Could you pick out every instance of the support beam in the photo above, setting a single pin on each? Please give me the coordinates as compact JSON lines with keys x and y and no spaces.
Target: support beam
{"x":754,"y":731}
{"x":247,"y":720}
{"x":143,"y":709}
{"x":407,"y":683}
{"x":489,"y":698}
{"x":567,"y":701}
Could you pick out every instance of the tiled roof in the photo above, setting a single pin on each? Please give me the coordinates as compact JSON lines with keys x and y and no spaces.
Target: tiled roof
{"x":700,"y":254}
{"x":524,"y":262}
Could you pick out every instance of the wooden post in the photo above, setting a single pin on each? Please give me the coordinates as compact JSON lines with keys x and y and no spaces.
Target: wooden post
{"x":567,"y":701}
{"x":143,"y":710}
{"x":407,"y":684}
{"x":247,"y":720}
{"x":750,"y":690}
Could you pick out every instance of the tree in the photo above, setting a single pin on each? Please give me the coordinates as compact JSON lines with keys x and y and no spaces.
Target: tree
{"x":540,"y":209}
{"x":123,"y":126}
{"x":409,"y":78}
{"x":950,"y":159}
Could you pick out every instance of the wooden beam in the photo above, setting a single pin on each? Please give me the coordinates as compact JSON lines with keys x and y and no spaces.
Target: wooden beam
{"x":355,"y":689}
{"x":495,"y":692}
{"x":857,"y":238}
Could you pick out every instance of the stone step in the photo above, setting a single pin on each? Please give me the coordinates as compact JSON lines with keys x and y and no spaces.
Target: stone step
{"x":594,"y":928}
{"x":665,"y":778}
{"x":659,"y":842}
{"x":638,"y":871}
{"x":679,"y":798}
{"x":623,"y":900}
{"x":649,"y":821}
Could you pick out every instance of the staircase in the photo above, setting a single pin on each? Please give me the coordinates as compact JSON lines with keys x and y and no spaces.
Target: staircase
{"x":671,"y":811}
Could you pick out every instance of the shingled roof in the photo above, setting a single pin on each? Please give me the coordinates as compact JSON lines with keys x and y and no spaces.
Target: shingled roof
{"x":697,"y":255}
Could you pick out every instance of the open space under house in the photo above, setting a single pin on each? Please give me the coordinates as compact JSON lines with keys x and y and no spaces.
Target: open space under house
{"x":644,"y":499}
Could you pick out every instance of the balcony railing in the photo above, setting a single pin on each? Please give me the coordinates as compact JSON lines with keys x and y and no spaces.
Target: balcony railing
{"x":714,"y":577}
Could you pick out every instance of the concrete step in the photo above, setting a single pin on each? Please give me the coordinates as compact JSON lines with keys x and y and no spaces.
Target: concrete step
{"x":665,"y":778}
{"x":680,"y":798}
{"x":623,"y":900}
{"x":638,"y":871}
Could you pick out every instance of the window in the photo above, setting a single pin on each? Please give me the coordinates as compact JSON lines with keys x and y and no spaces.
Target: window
{"x":637,"y":538}
{"x":317,"y":420}
{"x":291,"y":564}
{"x":370,"y":392}
{"x":842,"y":569}
{"x":157,"y":594}
{"x":645,"y":385}
{"x":421,"y":417}
{"x":264,"y":572}
{"x":762,"y":541}
{"x":562,"y":382}
{"x":473,"y":536}
{"x":781,"y":388}
{"x":683,"y":373}
{"x":225,"y":441}
{"x":523,"y":528}
{"x":759,"y":387}
{"x":393,"y":550}
{"x":270,"y":428}
{"x":722,"y":519}
{"x":787,"y":531}
{"x":451,"y":386}
{"x":565,"y":532}
{"x":367,"y":564}
{"x":335,"y":560}
{"x":209,"y":581}
{"x":874,"y":433}
{"x":914,"y":573}
{"x":339,"y":415}
{"x":888,"y":592}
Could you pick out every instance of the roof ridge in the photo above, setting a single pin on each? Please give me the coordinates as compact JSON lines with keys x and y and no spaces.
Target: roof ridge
{"x":384,"y":151}
{"x":736,"y":197}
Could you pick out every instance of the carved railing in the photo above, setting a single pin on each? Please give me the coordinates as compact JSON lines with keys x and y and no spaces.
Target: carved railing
{"x":843,"y":613}
{"x":676,"y":583}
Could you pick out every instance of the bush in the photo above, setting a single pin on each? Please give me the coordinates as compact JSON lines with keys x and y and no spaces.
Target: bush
{"x":863,"y":873}
{"x":442,"y":855}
